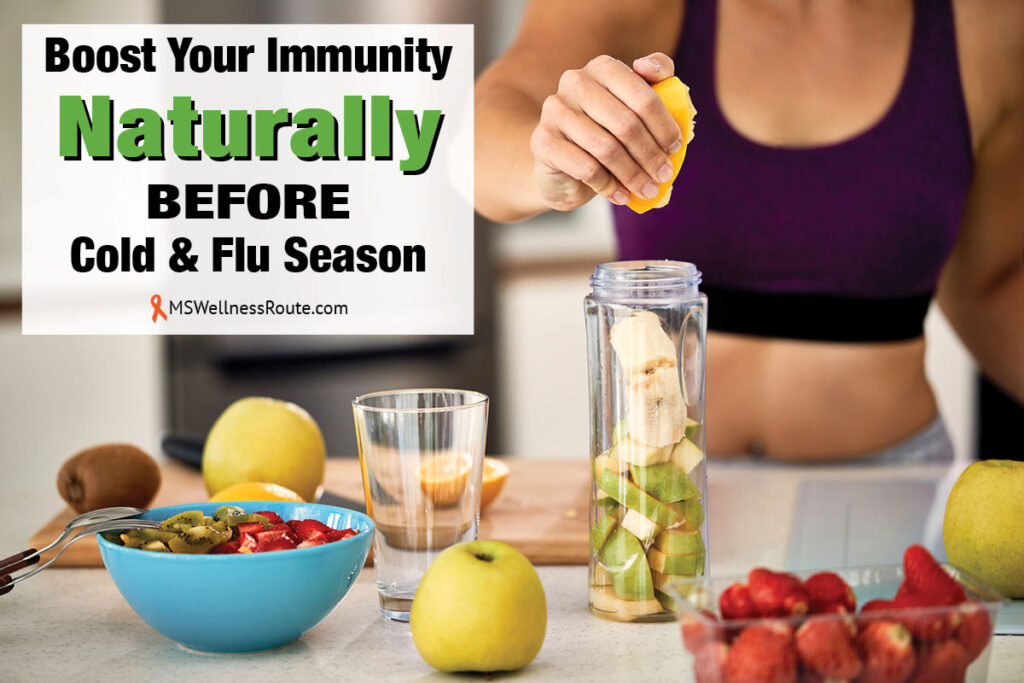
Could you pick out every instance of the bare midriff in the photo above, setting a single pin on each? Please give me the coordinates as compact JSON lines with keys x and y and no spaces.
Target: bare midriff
{"x":798,"y":400}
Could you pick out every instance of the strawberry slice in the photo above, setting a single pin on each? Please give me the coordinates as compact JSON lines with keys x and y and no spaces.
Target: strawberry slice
{"x":247,"y":543}
{"x":314,"y":539}
{"x":250,"y":528}
{"x":276,"y":544}
{"x":926,"y":579}
{"x":302,"y":528}
{"x":227,"y":548}
{"x":272,"y":517}
{"x":274,"y":540}
{"x":339,"y":534}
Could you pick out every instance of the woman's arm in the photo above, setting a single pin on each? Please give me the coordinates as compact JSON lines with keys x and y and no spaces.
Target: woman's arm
{"x":981,"y":289}
{"x":555,"y":126}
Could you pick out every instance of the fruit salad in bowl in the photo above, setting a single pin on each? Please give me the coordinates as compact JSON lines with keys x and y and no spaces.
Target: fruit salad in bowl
{"x":920,"y":622}
{"x":238,"y":577}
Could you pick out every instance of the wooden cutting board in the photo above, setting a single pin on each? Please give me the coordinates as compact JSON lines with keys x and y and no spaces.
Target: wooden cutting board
{"x":542,"y":510}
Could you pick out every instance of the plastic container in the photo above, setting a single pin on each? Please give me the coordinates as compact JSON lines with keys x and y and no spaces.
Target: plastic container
{"x":703,"y":635}
{"x":646,"y":327}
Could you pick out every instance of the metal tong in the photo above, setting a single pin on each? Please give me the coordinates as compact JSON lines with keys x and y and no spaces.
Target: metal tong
{"x":87,"y":524}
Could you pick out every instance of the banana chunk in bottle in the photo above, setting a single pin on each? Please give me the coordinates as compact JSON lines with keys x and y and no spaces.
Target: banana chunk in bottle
{"x":646,"y":322}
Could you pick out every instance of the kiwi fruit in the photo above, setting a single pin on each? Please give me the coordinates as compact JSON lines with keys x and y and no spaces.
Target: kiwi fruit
{"x":183,"y":520}
{"x":156,"y":547}
{"x":226,"y":512}
{"x":197,"y":540}
{"x":108,"y":475}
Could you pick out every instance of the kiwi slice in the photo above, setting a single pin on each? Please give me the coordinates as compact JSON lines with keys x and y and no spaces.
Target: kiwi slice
{"x":248,"y":519}
{"x":197,"y":540}
{"x":226,"y":512}
{"x":183,"y":520}
{"x":156,"y":546}
{"x":137,"y":538}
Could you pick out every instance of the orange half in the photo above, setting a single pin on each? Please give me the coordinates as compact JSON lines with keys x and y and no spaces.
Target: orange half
{"x":495,"y":474}
{"x":443,"y":477}
{"x":676,"y":96}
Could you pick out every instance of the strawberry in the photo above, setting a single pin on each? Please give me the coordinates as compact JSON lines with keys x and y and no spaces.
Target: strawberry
{"x":824,"y":646}
{"x":227,"y":548}
{"x":944,"y":662}
{"x":272,"y":517}
{"x":339,"y":534}
{"x":709,"y":662}
{"x":762,"y":653}
{"x":927,"y":579}
{"x":275,"y":544}
{"x":975,"y":629}
{"x":865,"y":617}
{"x":697,"y":630}
{"x":281,"y":527}
{"x":315,"y":538}
{"x":302,"y":528}
{"x":776,"y":594}
{"x":827,"y":590}
{"x":247,"y":543}
{"x":926,"y":621}
{"x":888,"y":652}
{"x":735,"y":602}
{"x":250,"y":528}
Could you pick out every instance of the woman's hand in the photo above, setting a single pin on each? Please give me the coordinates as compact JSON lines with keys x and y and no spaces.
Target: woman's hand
{"x":605,"y":132}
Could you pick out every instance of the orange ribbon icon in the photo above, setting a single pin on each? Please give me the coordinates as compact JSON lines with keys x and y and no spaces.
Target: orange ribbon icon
{"x":155,"y":301}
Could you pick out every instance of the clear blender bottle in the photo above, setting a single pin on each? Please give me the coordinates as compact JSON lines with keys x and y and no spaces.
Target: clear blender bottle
{"x":646,"y":328}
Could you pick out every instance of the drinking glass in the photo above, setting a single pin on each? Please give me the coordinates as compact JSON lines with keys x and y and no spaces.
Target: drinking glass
{"x":421,"y":452}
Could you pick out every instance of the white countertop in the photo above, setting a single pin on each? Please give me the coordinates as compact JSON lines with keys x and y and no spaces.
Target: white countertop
{"x":71,"y":624}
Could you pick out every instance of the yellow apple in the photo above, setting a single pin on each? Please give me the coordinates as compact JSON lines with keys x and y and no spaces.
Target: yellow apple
{"x":984,"y":525}
{"x":479,"y":607}
{"x":266,"y":440}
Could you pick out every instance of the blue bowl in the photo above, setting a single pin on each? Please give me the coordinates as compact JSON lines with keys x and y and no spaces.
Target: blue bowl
{"x":247,"y":602}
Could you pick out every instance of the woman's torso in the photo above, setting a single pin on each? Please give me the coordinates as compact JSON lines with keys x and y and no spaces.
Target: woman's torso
{"x":799,"y":78}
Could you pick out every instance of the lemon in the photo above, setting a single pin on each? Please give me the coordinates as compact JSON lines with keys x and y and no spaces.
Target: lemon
{"x":265,"y":440}
{"x":256,"y":490}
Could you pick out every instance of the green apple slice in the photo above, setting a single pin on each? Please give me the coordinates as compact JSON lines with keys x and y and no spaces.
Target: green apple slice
{"x":635,"y":498}
{"x":601,"y":531}
{"x":680,"y":541}
{"x":644,"y":529}
{"x":620,"y":430}
{"x":691,"y":510}
{"x":687,"y":455}
{"x":665,"y":600}
{"x":691,"y":427}
{"x":624,"y":557}
{"x":666,"y":482}
{"x":636,"y":453}
{"x":680,"y":565}
{"x":681,"y":584}
{"x":605,"y":601}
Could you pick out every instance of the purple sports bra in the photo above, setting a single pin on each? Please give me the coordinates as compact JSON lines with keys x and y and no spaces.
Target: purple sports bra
{"x":841,"y":242}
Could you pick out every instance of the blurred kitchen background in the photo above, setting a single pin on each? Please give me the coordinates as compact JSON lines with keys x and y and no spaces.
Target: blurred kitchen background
{"x":64,"y":393}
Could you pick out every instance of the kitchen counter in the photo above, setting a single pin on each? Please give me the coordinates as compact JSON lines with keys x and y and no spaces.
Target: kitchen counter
{"x":72,"y":624}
